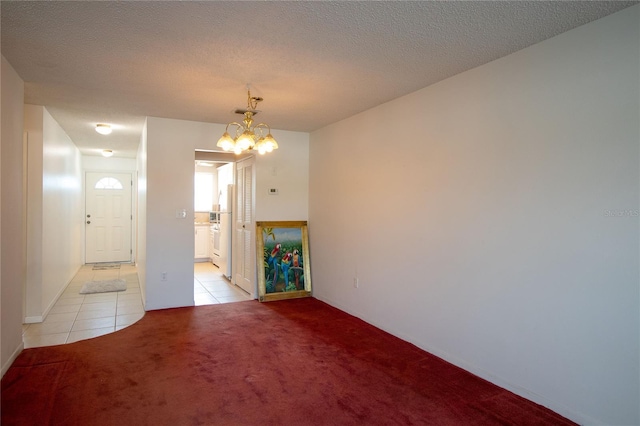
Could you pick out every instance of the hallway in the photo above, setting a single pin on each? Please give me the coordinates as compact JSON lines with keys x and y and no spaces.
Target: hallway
{"x":76,"y":316}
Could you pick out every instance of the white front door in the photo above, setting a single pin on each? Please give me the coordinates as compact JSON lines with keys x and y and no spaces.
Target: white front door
{"x":108,"y":217}
{"x":244,"y":258}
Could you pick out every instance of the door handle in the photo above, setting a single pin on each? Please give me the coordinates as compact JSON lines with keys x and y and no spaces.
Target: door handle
{"x":88,"y":215}
{"x":88,"y":222}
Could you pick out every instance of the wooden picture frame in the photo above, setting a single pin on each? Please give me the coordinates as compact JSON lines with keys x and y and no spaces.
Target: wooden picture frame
{"x":283,"y":260}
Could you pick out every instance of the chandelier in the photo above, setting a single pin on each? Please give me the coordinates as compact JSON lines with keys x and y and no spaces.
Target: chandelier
{"x":246,"y":135}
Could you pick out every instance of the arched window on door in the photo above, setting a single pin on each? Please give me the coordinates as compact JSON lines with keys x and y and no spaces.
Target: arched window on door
{"x":108,"y":183}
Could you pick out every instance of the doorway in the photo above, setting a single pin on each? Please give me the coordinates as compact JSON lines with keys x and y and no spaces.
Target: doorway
{"x":214,"y":210}
{"x":108,"y":217}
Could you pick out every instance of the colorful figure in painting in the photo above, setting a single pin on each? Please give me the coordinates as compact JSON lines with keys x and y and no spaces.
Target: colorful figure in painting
{"x":272,"y":260}
{"x":297,"y":265}
{"x":284,"y":264}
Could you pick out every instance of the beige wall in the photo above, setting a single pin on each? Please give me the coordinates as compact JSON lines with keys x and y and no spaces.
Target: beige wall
{"x":12,"y":225}
{"x":492,"y":220}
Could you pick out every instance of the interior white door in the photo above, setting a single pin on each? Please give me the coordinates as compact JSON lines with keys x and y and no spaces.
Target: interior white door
{"x":245,"y":249}
{"x":108,"y":217}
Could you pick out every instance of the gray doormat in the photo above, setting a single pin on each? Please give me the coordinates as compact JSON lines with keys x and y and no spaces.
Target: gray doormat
{"x":105,"y":286}
{"x":101,"y":266}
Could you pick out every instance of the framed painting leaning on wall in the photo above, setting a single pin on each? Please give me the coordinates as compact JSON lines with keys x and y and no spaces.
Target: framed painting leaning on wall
{"x":283,"y":260}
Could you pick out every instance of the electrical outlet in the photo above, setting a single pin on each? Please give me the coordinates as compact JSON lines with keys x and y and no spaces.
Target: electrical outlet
{"x":356,"y":283}
{"x":163,"y":276}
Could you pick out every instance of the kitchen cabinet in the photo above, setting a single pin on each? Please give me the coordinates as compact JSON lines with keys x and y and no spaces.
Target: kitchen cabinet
{"x":202,"y":242}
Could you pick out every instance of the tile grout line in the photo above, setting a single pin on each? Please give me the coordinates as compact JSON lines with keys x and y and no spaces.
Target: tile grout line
{"x":75,"y":318}
{"x":83,"y":303}
{"x":89,"y":274}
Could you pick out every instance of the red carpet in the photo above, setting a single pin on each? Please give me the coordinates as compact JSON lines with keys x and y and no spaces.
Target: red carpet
{"x":292,"y":362}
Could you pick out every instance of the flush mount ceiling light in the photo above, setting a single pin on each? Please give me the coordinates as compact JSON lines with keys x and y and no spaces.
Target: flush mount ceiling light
{"x":247,"y":136}
{"x":103,"y":129}
{"x":107,"y":153}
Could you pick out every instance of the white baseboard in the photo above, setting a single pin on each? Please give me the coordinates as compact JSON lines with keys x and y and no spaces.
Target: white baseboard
{"x":561,"y":409}
{"x":33,"y":320}
{"x":39,"y":318}
{"x":12,"y":358}
{"x":55,"y":299}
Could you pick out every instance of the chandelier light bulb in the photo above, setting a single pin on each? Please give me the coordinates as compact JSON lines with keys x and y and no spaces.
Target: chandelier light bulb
{"x":261,"y":146}
{"x":226,"y":142}
{"x":245,"y":141}
{"x":270,"y":143}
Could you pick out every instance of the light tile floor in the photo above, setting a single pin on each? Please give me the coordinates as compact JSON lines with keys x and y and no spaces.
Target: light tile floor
{"x":76,"y":316}
{"x":211,"y":287}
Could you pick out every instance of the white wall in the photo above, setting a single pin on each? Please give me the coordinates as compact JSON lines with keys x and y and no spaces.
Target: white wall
{"x":141,"y":217}
{"x":12,"y":226}
{"x":55,"y":213}
{"x":287,"y":170}
{"x":169,"y":152}
{"x":95,"y":163}
{"x":33,"y":125}
{"x":492,"y":220}
{"x":63,"y":214}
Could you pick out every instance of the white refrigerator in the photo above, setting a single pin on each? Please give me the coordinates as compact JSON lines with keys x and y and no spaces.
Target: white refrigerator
{"x":226,"y":222}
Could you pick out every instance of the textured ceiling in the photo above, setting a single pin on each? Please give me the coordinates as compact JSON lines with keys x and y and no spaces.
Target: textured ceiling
{"x":314,"y":63}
